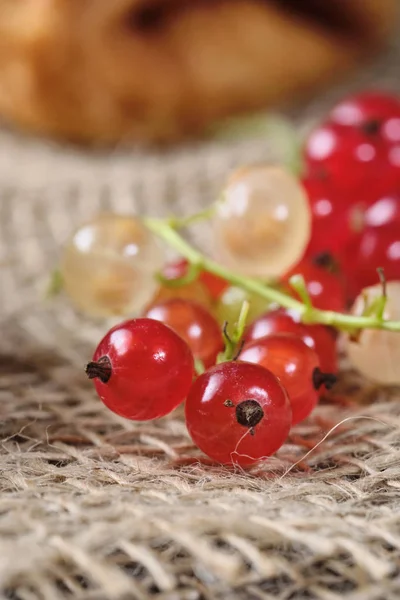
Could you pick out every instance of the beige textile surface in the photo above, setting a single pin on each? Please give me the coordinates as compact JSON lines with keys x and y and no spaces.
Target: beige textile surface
{"x":95,"y":508}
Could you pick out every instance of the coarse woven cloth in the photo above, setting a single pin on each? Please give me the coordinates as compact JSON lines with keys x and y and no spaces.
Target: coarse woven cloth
{"x":93,"y":507}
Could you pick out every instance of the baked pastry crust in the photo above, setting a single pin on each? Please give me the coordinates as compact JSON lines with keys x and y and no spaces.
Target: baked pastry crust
{"x":106,"y":71}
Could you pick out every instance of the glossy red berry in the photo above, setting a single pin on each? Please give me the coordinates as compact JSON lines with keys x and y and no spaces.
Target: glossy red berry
{"x":194,"y":324}
{"x":358,"y":147}
{"x":317,"y":337}
{"x":377,"y":247}
{"x":324,"y":287}
{"x":295,"y":364}
{"x":215,"y":285}
{"x":142,"y":369}
{"x":352,"y":160}
{"x":238,"y":413}
{"x":390,"y":135}
{"x":335,"y":218}
{"x":324,"y":342}
{"x":365,"y":108}
{"x":193,"y":290}
{"x":385,"y":211}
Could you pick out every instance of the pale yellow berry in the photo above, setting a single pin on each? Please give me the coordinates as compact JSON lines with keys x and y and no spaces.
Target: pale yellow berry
{"x":376,"y":353}
{"x":108,"y":267}
{"x":263,"y":223}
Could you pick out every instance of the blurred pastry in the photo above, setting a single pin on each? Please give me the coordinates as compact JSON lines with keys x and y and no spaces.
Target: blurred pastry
{"x":107,"y":71}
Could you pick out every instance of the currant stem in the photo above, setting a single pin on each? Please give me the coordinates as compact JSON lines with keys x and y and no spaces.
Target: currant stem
{"x":383,"y":299}
{"x":55,"y":284}
{"x":346,"y":322}
{"x":100,"y":369}
{"x":199,"y":366}
{"x":234,"y":343}
{"x":239,"y":349}
{"x":299,"y":285}
{"x":181,"y":223}
{"x":241,"y":322}
{"x":230,"y":346}
{"x":176,"y":241}
{"x":190,"y":276}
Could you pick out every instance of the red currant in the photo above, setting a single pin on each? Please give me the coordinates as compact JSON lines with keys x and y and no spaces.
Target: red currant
{"x":377,"y":247}
{"x":385,"y":211}
{"x":192,"y":323}
{"x":325,"y":288}
{"x":238,"y":413}
{"x":365,"y":108}
{"x":334,"y":219}
{"x":142,"y":369}
{"x":317,"y":337}
{"x":295,"y":364}
{"x":215,"y":285}
{"x":362,"y":134}
{"x":390,"y":133}
{"x":194,"y":290}
{"x":351,"y":159}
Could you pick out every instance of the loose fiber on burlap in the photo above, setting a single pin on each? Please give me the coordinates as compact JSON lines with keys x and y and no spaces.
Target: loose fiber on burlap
{"x":93,"y":507}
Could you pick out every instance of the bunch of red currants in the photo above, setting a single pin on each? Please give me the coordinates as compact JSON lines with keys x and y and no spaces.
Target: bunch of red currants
{"x":237,"y":411}
{"x":312,"y":245}
{"x":353,"y":183}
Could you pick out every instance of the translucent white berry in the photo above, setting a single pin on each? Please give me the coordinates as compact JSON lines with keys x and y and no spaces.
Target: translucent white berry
{"x":376,"y":353}
{"x":109,"y":264}
{"x":263,"y":223}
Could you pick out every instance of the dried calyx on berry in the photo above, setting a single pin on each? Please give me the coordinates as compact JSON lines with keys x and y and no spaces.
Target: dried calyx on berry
{"x":326,"y":379}
{"x":99,"y":369}
{"x":129,"y":376}
{"x":234,"y":343}
{"x":371,"y":127}
{"x":326,"y":261}
{"x":248,"y":413}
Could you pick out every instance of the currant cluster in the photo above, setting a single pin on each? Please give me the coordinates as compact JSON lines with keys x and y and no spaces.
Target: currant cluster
{"x":237,"y":411}
{"x":295,"y":253}
{"x":353,"y":183}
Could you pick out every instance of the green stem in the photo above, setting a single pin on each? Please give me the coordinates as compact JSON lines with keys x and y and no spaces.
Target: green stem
{"x":299,"y":285}
{"x":241,"y":323}
{"x":383,"y":299}
{"x":55,"y":284}
{"x":175,"y":240}
{"x":234,"y":343}
{"x":181,"y":223}
{"x":165,"y":231}
{"x":190,"y":276}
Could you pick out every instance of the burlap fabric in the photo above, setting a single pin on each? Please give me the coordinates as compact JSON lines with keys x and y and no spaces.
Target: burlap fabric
{"x":94,"y":507}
